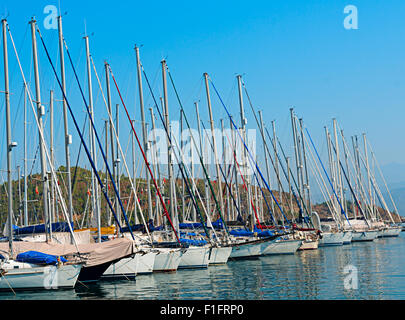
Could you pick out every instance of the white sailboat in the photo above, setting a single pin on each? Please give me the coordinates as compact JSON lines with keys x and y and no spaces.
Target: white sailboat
{"x":168,"y":259}
{"x":17,"y":275}
{"x":195,"y":257}
{"x":219,"y":255}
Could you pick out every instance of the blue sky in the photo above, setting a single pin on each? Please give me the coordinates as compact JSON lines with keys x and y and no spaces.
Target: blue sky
{"x":290,"y":53}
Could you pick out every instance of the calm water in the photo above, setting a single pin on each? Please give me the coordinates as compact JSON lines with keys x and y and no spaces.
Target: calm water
{"x":306,"y":275}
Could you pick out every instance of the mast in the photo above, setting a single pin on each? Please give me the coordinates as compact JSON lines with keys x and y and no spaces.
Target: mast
{"x":52,"y":213}
{"x":306,"y":183}
{"x":25,"y":160}
{"x":106,"y":169}
{"x":144,"y":131}
{"x":265,"y":154}
{"x":338,"y":171}
{"x":68,"y":137}
{"x":233,"y":148}
{"x":94,"y":185}
{"x":107,"y":77}
{"x":347,"y":169}
{"x":228,"y":205}
{"x":169,"y":146}
{"x":117,"y":157}
{"x":368,"y":177}
{"x":157,"y":168}
{"x":207,"y":195}
{"x":245,"y":164}
{"x":10,"y":145}
{"x":297,"y":158}
{"x":40,"y":114}
{"x":219,"y":184}
{"x":280,"y":194}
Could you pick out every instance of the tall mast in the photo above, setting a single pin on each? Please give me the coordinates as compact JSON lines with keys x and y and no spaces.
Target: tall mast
{"x":297,"y":158}
{"x":276,"y":163}
{"x":9,"y":143}
{"x":106,"y":169}
{"x":265,"y":154}
{"x":169,"y":146}
{"x":306,"y":184}
{"x":68,"y":137}
{"x":134,"y":174}
{"x":338,"y":171}
{"x":368,"y":176}
{"x":25,"y":160}
{"x":157,"y":168}
{"x":233,"y":148}
{"x":117,"y":158}
{"x":245,"y":164}
{"x":52,"y":213}
{"x":144,"y":131}
{"x":207,"y":195}
{"x":228,"y":206}
{"x":40,"y":114}
{"x":94,"y":185}
{"x":219,"y":184}
{"x":113,"y":160}
{"x":194,"y":216}
{"x":347,"y":169}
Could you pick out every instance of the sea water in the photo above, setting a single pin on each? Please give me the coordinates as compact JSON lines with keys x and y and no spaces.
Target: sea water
{"x":360,"y":270}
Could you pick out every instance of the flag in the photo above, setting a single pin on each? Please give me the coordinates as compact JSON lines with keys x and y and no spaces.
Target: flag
{"x":88,"y":192}
{"x":36,"y":190}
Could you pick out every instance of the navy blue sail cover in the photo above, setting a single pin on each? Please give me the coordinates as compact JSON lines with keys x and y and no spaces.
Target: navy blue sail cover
{"x":39,"y":258}
{"x":40,"y":228}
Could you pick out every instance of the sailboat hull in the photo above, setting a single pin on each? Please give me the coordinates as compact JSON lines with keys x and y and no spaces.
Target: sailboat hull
{"x":282,"y":247}
{"x":347,"y":237}
{"x":167,"y":260}
{"x":39,"y":277}
{"x":249,"y":249}
{"x":194,"y":257}
{"x":309,"y":245}
{"x":391,"y":232}
{"x":219,"y":255}
{"x":146,"y":263}
{"x":331,"y":239}
{"x":123,"y":269}
{"x":364,"y":236}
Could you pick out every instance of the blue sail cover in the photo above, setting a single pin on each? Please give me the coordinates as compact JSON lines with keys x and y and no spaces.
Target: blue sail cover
{"x":242,"y":233}
{"x":219,"y":224}
{"x":38,"y":258}
{"x":193,"y":242}
{"x":195,"y":225}
{"x":40,"y":228}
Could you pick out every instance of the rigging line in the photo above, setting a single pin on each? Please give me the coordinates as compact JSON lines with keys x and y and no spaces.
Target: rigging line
{"x":41,"y":136}
{"x":295,"y":182}
{"x":78,"y":130}
{"x":145,"y":158}
{"x":269,"y":154}
{"x":199,"y":154}
{"x":226,"y":183}
{"x":181,"y":163}
{"x":78,"y":156}
{"x":234,"y":154}
{"x":250,"y":155}
{"x":333,"y":189}
{"x":102,"y":152}
{"x":120,"y":150}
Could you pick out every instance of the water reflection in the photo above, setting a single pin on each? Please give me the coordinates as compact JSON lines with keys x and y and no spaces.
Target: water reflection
{"x":317,"y":274}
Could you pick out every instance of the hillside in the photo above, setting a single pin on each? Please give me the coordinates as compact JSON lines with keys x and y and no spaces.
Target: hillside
{"x":82,"y":203}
